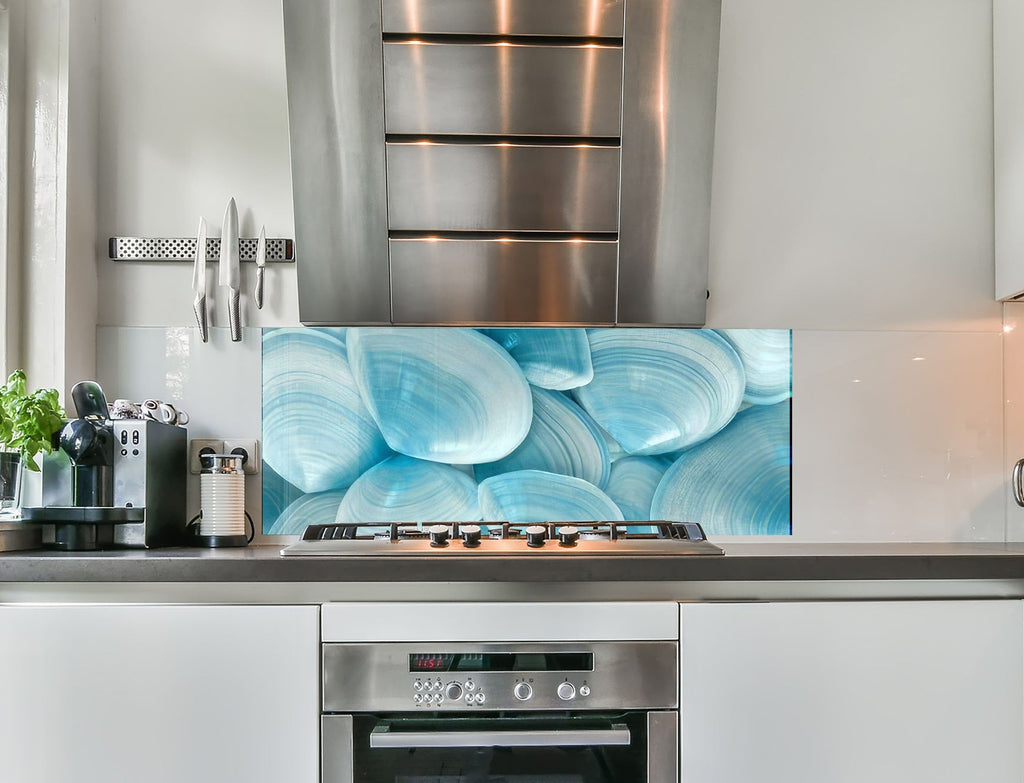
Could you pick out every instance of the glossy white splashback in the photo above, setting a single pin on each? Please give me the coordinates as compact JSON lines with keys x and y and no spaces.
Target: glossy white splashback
{"x":897,"y":436}
{"x":216,"y":383}
{"x":1013,"y":393}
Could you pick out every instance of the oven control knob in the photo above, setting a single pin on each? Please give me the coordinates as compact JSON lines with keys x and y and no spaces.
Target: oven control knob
{"x":438,"y":535}
{"x":535,"y":535}
{"x":453,"y":691}
{"x":522,"y":691}
{"x":584,"y":690}
{"x":568,"y":535}
{"x":470,"y":535}
{"x":566,"y":691}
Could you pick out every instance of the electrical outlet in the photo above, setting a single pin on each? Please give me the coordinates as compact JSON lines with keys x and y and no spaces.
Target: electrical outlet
{"x":199,"y":446}
{"x":249,"y":448}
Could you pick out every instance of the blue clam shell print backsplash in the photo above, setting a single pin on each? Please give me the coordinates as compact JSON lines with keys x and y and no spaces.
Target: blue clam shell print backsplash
{"x":526,"y":425}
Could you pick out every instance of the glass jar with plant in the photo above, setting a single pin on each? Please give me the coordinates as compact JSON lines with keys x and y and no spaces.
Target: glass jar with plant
{"x":28,"y":422}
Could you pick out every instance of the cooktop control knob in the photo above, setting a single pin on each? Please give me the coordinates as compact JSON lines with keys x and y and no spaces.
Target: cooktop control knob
{"x":453,"y":691}
{"x":522,"y":691}
{"x":535,"y":535}
{"x":568,"y":535}
{"x":438,"y":535}
{"x":566,"y":691}
{"x":470,"y":535}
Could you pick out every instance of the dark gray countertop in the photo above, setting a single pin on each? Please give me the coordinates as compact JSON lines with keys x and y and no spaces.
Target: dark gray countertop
{"x":747,"y":562}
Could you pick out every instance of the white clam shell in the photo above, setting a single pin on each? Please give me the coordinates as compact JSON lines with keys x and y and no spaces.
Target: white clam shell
{"x":404,"y":489}
{"x":551,"y":358}
{"x":737,"y":483}
{"x":767,"y":362}
{"x":661,"y":390}
{"x":562,"y":439}
{"x":445,"y":395}
{"x":317,"y":508}
{"x":317,"y":434}
{"x":536,"y":496}
{"x":632,"y":485}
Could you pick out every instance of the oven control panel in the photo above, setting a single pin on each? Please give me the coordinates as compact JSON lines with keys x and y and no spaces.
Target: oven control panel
{"x":483,"y":677}
{"x":440,"y":692}
{"x":547,"y":692}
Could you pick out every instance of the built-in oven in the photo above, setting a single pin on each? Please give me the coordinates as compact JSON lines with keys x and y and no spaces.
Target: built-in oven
{"x":522,"y":712}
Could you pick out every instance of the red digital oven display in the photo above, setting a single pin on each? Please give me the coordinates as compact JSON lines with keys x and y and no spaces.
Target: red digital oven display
{"x":430,"y":662}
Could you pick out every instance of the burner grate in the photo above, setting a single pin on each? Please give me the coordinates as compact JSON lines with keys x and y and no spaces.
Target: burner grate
{"x":588,"y":531}
{"x":504,"y":539}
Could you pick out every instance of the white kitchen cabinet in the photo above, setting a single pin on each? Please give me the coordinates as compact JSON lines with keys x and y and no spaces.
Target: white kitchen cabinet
{"x":162,"y":694}
{"x":1008,"y":150}
{"x":858,"y":692}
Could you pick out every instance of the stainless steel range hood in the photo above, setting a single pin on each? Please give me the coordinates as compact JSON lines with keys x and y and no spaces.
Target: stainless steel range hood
{"x":500,"y":162}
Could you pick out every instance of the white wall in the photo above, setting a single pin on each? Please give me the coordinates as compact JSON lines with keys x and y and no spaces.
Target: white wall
{"x":852,"y":202}
{"x":194,"y":112}
{"x":853,"y":157}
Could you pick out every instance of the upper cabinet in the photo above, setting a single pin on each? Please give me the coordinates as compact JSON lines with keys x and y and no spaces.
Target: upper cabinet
{"x":516,"y":162}
{"x":1008,"y":118}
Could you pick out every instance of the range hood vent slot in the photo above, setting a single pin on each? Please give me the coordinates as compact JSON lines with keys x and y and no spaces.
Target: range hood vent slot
{"x":501,"y":40}
{"x":502,"y":161}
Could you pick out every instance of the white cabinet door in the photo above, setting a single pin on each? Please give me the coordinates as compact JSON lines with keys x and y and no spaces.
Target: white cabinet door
{"x":879,"y":692}
{"x":1008,"y":122}
{"x":162,"y":694}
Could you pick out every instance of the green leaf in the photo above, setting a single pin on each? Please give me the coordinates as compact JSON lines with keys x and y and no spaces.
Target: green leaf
{"x":28,"y":422}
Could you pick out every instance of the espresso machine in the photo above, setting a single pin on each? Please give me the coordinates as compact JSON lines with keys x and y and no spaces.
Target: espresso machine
{"x":112,"y":482}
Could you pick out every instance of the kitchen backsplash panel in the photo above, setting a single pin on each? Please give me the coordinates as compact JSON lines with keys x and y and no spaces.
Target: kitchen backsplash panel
{"x":525,"y":425}
{"x":898,"y":435}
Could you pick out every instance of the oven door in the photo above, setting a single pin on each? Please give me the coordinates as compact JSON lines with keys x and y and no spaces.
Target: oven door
{"x":625,"y":747}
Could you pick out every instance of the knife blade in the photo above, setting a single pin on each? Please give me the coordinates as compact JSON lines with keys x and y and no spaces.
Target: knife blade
{"x":229,"y":275}
{"x":261,"y":261}
{"x":199,"y":282}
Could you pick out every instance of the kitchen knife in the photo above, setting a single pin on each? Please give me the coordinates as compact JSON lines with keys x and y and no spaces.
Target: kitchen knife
{"x":199,"y":281}
{"x":229,"y":275}
{"x":261,"y":261}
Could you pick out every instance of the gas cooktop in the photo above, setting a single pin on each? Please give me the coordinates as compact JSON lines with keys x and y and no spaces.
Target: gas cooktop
{"x":461,"y":539}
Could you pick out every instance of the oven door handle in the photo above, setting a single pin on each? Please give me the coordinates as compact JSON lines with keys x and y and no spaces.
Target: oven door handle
{"x":383,"y":737}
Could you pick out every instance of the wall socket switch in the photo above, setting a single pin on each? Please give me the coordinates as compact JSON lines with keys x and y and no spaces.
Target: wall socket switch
{"x":199,"y":446}
{"x":249,"y":448}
